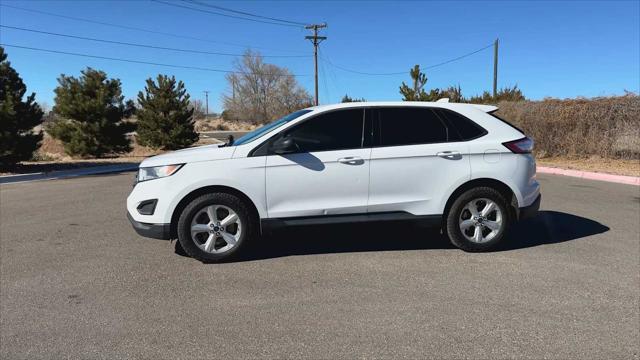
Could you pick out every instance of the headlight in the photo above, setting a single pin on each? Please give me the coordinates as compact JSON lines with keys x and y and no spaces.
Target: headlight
{"x":156,"y":172}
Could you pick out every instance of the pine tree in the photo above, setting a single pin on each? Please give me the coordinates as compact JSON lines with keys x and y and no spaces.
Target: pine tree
{"x":453,"y":93}
{"x":415,"y":92}
{"x":17,"y":117}
{"x":91,"y":111}
{"x":165,"y":117}
{"x":348,"y":99}
{"x":504,"y":94}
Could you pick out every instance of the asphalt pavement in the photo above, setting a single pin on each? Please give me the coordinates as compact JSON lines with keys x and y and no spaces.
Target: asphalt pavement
{"x":77,"y":282}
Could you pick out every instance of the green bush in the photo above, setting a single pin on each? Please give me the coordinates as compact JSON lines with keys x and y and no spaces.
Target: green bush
{"x":416,"y":92}
{"x":90,"y":112}
{"x":348,"y":99}
{"x":165,"y":117}
{"x":17,"y":117}
{"x":504,"y":94}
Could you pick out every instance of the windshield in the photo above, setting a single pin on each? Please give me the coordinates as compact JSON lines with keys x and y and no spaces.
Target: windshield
{"x":252,"y":135}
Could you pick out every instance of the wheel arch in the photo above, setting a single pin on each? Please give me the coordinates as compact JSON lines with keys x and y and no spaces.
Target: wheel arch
{"x":498,"y":185}
{"x":207,"y":190}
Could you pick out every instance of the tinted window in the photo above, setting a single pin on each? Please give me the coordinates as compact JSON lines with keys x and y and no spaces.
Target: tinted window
{"x":406,"y":126}
{"x":250,"y":136}
{"x":335,"y":130}
{"x":506,"y":122}
{"x":460,"y":128}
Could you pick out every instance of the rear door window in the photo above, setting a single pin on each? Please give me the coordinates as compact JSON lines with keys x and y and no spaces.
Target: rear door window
{"x":410,"y":126}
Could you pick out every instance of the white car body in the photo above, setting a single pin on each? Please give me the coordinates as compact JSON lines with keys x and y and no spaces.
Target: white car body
{"x":417,"y":180}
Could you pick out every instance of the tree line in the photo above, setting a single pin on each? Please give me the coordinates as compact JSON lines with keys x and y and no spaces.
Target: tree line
{"x":415,"y":91}
{"x":92,"y":118}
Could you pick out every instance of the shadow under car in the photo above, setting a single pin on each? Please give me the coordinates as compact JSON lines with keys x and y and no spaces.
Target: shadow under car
{"x":549,"y":227}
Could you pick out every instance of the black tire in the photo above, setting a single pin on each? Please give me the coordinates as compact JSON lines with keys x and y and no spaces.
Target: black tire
{"x":248,"y":220}
{"x":452,"y":226}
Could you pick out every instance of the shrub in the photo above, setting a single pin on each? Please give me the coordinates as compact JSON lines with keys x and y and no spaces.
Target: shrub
{"x":608,"y":127}
{"x":90,"y":110}
{"x":165,"y":117}
{"x":17,"y":117}
{"x":504,"y":94}
{"x":348,"y":99}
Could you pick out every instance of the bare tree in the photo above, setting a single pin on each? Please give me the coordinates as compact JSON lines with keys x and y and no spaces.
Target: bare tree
{"x":198,"y":109}
{"x":260,"y":92}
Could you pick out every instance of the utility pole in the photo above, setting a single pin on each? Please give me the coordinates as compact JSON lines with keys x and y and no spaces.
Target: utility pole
{"x":233,"y":88}
{"x":206,"y":95}
{"x":316,"y":40}
{"x":495,"y":69}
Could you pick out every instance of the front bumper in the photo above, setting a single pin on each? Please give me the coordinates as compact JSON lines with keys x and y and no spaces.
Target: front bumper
{"x":531,"y":210}
{"x":154,"y":231}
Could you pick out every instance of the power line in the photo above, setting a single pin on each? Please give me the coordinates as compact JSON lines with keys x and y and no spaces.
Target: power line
{"x":360,"y":72}
{"x":223,"y":14}
{"x":144,"y":62}
{"x":244,"y":13}
{"x":459,"y":57}
{"x":332,"y":74}
{"x":143,"y":45}
{"x":404,"y":72}
{"x":323,"y":75}
{"x":126,"y":27}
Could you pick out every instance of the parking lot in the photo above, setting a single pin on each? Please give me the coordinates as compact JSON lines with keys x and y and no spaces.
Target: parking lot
{"x":77,"y":282}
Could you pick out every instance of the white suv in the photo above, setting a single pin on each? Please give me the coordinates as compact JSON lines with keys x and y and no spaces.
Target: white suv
{"x":451,"y":165}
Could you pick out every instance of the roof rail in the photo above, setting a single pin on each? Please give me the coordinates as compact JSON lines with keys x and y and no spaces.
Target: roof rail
{"x":443,"y":100}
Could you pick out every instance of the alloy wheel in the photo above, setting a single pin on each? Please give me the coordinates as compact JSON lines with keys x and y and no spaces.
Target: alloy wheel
{"x":216,"y":229}
{"x":481,"y":220}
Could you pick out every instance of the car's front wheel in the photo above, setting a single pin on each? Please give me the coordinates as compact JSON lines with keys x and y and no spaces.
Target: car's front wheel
{"x":478,"y":219}
{"x":215,"y":227}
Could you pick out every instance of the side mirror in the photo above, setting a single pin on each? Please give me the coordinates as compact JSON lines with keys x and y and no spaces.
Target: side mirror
{"x":284,"y":145}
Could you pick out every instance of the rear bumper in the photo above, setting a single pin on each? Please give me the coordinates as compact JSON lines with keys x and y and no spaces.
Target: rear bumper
{"x":154,"y":231}
{"x":531,"y":210}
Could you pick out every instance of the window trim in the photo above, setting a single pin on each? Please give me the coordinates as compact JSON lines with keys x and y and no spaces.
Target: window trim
{"x":253,"y":151}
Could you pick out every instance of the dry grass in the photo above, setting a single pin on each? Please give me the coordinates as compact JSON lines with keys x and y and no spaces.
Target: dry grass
{"x":607,"y":128}
{"x":52,"y":150}
{"x":51,"y":157}
{"x":219,"y":124}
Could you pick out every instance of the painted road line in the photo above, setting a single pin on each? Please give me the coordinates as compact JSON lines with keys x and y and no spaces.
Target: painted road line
{"x":61,"y":174}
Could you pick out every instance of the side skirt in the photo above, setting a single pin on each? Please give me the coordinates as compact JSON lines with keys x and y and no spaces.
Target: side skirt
{"x":422,"y":220}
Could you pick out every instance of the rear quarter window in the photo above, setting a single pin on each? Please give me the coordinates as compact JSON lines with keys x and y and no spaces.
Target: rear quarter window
{"x":460,"y":126}
{"x":506,"y":122}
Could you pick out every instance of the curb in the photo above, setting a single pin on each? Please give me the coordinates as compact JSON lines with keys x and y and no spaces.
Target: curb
{"x":62,"y":174}
{"x":620,"y":179}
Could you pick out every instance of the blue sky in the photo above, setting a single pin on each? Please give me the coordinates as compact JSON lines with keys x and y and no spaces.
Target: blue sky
{"x":557,"y":49}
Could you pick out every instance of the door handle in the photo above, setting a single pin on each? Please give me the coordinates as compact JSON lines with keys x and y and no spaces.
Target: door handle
{"x":351,"y":160}
{"x":450,"y":155}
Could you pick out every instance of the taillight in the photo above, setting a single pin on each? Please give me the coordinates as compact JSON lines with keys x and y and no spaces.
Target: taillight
{"x":520,"y":146}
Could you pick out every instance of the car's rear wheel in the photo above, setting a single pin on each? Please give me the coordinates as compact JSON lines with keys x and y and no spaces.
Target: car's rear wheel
{"x":215,"y":227}
{"x":478,"y":219}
